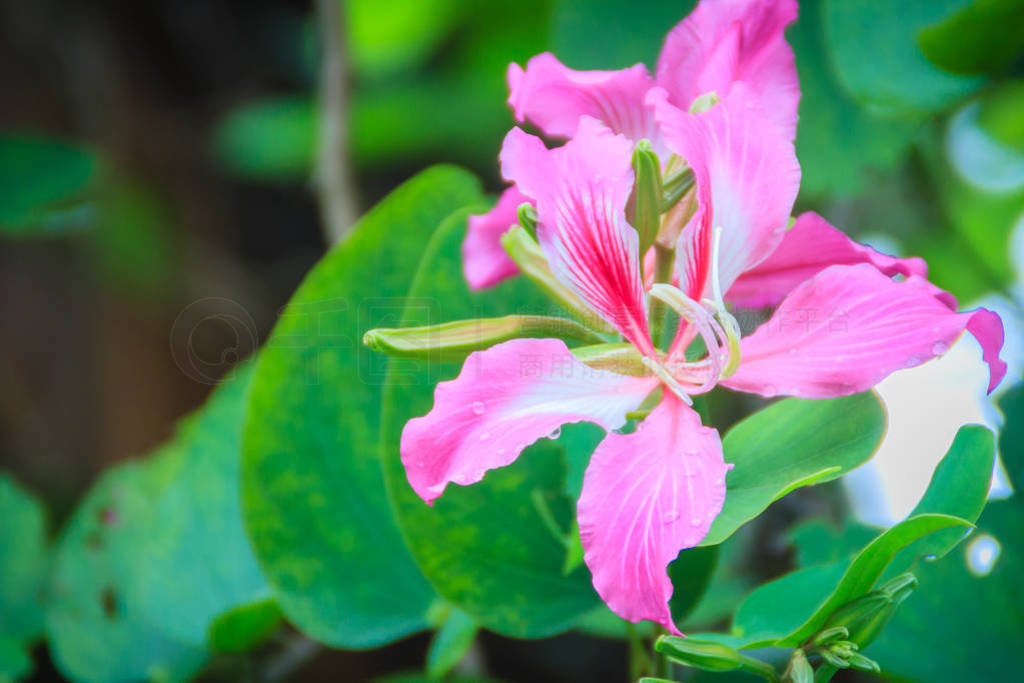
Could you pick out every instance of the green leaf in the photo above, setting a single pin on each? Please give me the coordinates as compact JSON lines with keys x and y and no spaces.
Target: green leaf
{"x":271,"y":139}
{"x":313,"y":493}
{"x":42,"y":181}
{"x":787,"y":611}
{"x":878,"y":61}
{"x":95,"y":632}
{"x":962,"y":624}
{"x":484,"y":547}
{"x":835,"y":163}
{"x":608,"y":34}
{"x":984,"y":36}
{"x":195,"y":563}
{"x":691,"y":574}
{"x":24,"y":562}
{"x":243,"y":628}
{"x":793,"y":443}
{"x":389,"y":36}
{"x":451,"y":642}
{"x":1000,"y":114}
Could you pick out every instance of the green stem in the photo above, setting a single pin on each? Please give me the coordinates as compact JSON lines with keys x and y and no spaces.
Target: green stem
{"x":638,"y":658}
{"x":663,"y":264}
{"x":824,"y":673}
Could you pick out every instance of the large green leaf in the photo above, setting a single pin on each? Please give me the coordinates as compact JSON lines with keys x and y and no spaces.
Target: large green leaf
{"x":787,"y":611}
{"x":793,"y":443}
{"x":313,"y":493}
{"x":986,"y":35}
{"x":484,"y":547}
{"x":41,"y":182}
{"x":876,"y":55}
{"x":95,"y":630}
{"x":965,"y":623}
{"x":24,"y":560}
{"x":834,"y":162}
{"x":610,"y":34}
{"x":195,"y":564}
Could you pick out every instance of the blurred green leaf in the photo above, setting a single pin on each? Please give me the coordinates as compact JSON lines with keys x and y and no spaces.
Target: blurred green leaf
{"x":194,"y":563}
{"x":270,"y":139}
{"x":984,"y":36}
{"x":385,"y":36}
{"x":313,"y":494}
{"x":244,"y":627}
{"x":1000,"y":114}
{"x":95,"y":632}
{"x":484,"y":547}
{"x":834,"y":163}
{"x":450,"y":643}
{"x":793,"y":443}
{"x":787,"y":611}
{"x":875,"y":52}
{"x":24,"y":562}
{"x":610,"y":34}
{"x":42,"y":183}
{"x":132,"y":247}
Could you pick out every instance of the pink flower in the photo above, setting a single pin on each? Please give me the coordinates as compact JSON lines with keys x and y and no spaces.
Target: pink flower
{"x":841,"y":325}
{"x":721,"y":43}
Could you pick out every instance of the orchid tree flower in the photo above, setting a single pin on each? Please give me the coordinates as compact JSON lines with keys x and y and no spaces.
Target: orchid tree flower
{"x":720,"y":43}
{"x":650,"y":493}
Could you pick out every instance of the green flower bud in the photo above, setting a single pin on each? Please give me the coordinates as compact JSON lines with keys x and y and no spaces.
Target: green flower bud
{"x":711,"y":656}
{"x":621,"y":358}
{"x":643,"y":211}
{"x":859,"y":661}
{"x":830,"y":635}
{"x":528,"y":218}
{"x":834,"y":660}
{"x":453,"y":341}
{"x":799,"y":669}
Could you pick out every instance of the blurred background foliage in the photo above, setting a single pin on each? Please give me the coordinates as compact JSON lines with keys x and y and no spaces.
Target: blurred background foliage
{"x":155,"y":156}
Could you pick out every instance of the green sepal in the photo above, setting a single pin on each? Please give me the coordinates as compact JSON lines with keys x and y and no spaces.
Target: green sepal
{"x":643,"y":211}
{"x":453,"y":341}
{"x":527,"y":254}
{"x":675,"y":186}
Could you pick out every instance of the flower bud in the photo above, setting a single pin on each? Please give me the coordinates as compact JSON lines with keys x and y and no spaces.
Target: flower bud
{"x":711,"y":656}
{"x":799,"y":669}
{"x":453,"y":341}
{"x":643,"y":211}
{"x":830,"y":635}
{"x":527,"y":215}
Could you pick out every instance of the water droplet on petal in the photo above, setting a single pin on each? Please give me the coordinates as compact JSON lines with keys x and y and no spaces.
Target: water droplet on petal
{"x":485,"y":436}
{"x":769,"y":390}
{"x":913,"y":361}
{"x":479,"y":407}
{"x":555,"y":434}
{"x":478,"y":474}
{"x":696,"y":520}
{"x":940,"y":348}
{"x":670,"y":516}
{"x":792,"y":352}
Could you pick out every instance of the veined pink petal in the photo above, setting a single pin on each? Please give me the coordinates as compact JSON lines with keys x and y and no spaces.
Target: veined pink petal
{"x":725,"y":41}
{"x":807,"y":248}
{"x":849,"y":327}
{"x":646,"y":496}
{"x":504,"y":399}
{"x":747,"y":178}
{"x":484,"y":261}
{"x":581,"y":190}
{"x":554,"y":97}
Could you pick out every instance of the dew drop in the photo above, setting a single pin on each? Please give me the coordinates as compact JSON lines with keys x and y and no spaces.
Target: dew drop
{"x":670,"y":516}
{"x":478,"y":407}
{"x":792,"y":352}
{"x":478,"y":474}
{"x":769,"y":391}
{"x":695,"y":520}
{"x":940,"y":348}
{"x":555,"y":434}
{"x":913,"y":361}
{"x":485,"y":436}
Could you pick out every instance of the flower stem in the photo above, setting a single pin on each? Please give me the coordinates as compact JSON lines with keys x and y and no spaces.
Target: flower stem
{"x":663,"y":263}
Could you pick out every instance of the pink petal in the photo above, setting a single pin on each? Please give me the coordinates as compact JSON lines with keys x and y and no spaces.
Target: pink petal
{"x":504,"y":399}
{"x":581,"y":191}
{"x":807,"y":248}
{"x":554,"y":97}
{"x":747,"y":178}
{"x":646,"y":496}
{"x":725,"y":41}
{"x":849,"y":327}
{"x":484,"y":261}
